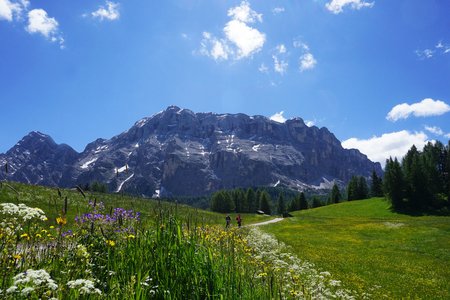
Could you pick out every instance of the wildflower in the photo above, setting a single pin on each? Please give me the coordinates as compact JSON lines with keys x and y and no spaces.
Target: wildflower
{"x":85,"y":286}
{"x":38,"y":235}
{"x":25,"y":236}
{"x":17,"y":256}
{"x":61,"y":221}
{"x":22,"y":211}
{"x":31,"y":280}
{"x":131,"y":236}
{"x":51,"y":227}
{"x":110,"y":243}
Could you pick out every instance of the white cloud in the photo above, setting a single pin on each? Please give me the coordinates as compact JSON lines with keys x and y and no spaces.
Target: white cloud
{"x":427,"y":107}
{"x":278,"y":10}
{"x":213,"y":47}
{"x":279,"y":66}
{"x":434,"y":129}
{"x":394,"y":144}
{"x":109,"y":12}
{"x":241,"y":40}
{"x":10,"y":10}
{"x":40,"y":22}
{"x":307,"y":62}
{"x":337,"y":6}
{"x":423,"y":54}
{"x":278,"y":117}
{"x":248,"y":40}
{"x":244,"y":13}
{"x":263,"y":68}
{"x":281,"y":48}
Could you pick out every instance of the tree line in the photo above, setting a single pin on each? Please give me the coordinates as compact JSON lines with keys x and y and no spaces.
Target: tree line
{"x":421,"y":180}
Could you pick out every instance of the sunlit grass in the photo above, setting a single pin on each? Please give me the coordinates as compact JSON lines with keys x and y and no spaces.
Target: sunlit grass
{"x":372,"y":249}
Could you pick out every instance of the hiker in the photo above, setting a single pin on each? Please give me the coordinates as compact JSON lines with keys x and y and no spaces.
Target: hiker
{"x":239,"y":220}
{"x":228,"y":219}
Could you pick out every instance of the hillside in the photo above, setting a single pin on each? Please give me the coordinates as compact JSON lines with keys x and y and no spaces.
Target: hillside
{"x":371,"y":249}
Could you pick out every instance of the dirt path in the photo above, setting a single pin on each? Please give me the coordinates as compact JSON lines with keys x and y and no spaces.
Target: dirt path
{"x":267,"y":222}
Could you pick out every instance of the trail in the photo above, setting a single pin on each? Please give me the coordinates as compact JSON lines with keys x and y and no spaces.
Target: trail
{"x":267,"y":222}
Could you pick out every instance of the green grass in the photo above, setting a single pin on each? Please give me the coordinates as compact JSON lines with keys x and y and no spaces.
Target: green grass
{"x":49,"y":200}
{"x":371,"y":249}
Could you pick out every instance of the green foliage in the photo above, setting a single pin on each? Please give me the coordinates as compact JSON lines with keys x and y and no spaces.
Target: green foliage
{"x":335,"y":196}
{"x":222,"y":201}
{"x":98,"y":187}
{"x":421,"y":182}
{"x":316,"y":202}
{"x":281,"y":206}
{"x":376,"y":186}
{"x":299,"y":202}
{"x":357,"y":188}
{"x":265,"y":203}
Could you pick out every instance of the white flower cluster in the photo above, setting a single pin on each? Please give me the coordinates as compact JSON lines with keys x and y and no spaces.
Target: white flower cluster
{"x":31,"y":280}
{"x":85,"y":286}
{"x":22,"y":211}
{"x":316,"y":285}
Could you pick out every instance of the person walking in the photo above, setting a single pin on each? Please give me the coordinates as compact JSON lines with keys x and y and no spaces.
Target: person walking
{"x":228,"y":219}
{"x":239,"y":220}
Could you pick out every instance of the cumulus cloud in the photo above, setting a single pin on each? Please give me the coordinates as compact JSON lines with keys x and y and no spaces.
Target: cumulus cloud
{"x":307,"y":62}
{"x":278,"y":10}
{"x":394,"y":144}
{"x":108,"y":12}
{"x":278,"y":117}
{"x":337,"y":6}
{"x":240,"y":39}
{"x":425,"y":108}
{"x":12,"y":10}
{"x":39,"y":22}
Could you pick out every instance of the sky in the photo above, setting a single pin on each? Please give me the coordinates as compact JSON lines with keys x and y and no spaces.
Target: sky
{"x":375,"y":73}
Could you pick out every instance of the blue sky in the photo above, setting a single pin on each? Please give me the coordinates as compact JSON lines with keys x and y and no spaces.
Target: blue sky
{"x":375,"y":73}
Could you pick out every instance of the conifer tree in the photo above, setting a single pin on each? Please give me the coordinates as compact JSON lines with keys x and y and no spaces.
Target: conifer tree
{"x":376,"y":187}
{"x":281,"y":206}
{"x":335,"y":194}
{"x":265,"y":203}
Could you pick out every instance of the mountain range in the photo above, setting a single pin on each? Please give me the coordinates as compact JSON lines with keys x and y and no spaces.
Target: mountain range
{"x":177,"y":152}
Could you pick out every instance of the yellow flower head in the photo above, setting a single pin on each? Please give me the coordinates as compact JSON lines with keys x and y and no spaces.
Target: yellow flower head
{"x":110,"y":243}
{"x":25,"y":236}
{"x":131,"y":236}
{"x":61,"y":220}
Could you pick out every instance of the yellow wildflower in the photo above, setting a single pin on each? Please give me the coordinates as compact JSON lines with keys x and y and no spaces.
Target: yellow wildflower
{"x":61,"y":220}
{"x":51,"y":227}
{"x":110,"y":243}
{"x":17,"y":256}
{"x":131,"y":236}
{"x":38,"y":235}
{"x":25,"y":236}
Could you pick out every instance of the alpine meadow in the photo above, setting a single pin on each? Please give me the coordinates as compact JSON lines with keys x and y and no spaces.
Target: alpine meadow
{"x":224,"y":150}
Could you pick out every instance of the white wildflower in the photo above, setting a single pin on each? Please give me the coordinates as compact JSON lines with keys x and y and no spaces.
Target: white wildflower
{"x":85,"y":286}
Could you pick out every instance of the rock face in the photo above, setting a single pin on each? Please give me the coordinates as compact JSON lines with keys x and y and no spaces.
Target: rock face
{"x":178,"y":152}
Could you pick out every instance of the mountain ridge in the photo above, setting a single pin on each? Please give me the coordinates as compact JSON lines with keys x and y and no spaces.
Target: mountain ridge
{"x":178,"y":152}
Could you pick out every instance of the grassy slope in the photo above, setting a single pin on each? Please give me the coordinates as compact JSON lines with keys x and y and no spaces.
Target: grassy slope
{"x":48,"y":200}
{"x":364,"y":244}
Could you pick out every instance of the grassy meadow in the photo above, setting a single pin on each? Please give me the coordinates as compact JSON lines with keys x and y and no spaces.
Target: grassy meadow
{"x":371,"y":249}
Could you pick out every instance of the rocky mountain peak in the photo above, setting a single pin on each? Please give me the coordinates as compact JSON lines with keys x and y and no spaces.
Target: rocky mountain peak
{"x":179,"y":152}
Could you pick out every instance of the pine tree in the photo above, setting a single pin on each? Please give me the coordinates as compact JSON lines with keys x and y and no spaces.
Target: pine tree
{"x":335,"y":196}
{"x":251,"y":200}
{"x":303,"y":204}
{"x":376,"y":187}
{"x":394,"y":183}
{"x":221,"y":201}
{"x":352,"y":189}
{"x":281,"y":206}
{"x":265,"y":203}
{"x":362,"y":189}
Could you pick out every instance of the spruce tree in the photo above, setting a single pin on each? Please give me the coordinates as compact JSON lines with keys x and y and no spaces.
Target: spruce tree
{"x":376,"y":187}
{"x":265,"y":203}
{"x":335,"y":194}
{"x":281,"y":206}
{"x":394,"y":183}
{"x":303,"y":204}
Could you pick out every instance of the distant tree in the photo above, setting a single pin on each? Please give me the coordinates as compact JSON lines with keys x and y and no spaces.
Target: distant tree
{"x":394,"y":183}
{"x":335,"y":196}
{"x":316,"y":202}
{"x":222,"y":202}
{"x":376,"y":187}
{"x":99,"y":187}
{"x":281,"y":205}
{"x":362,"y":189}
{"x":265,"y":203}
{"x":252,"y":201}
{"x":302,"y":201}
{"x":352,"y":189}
